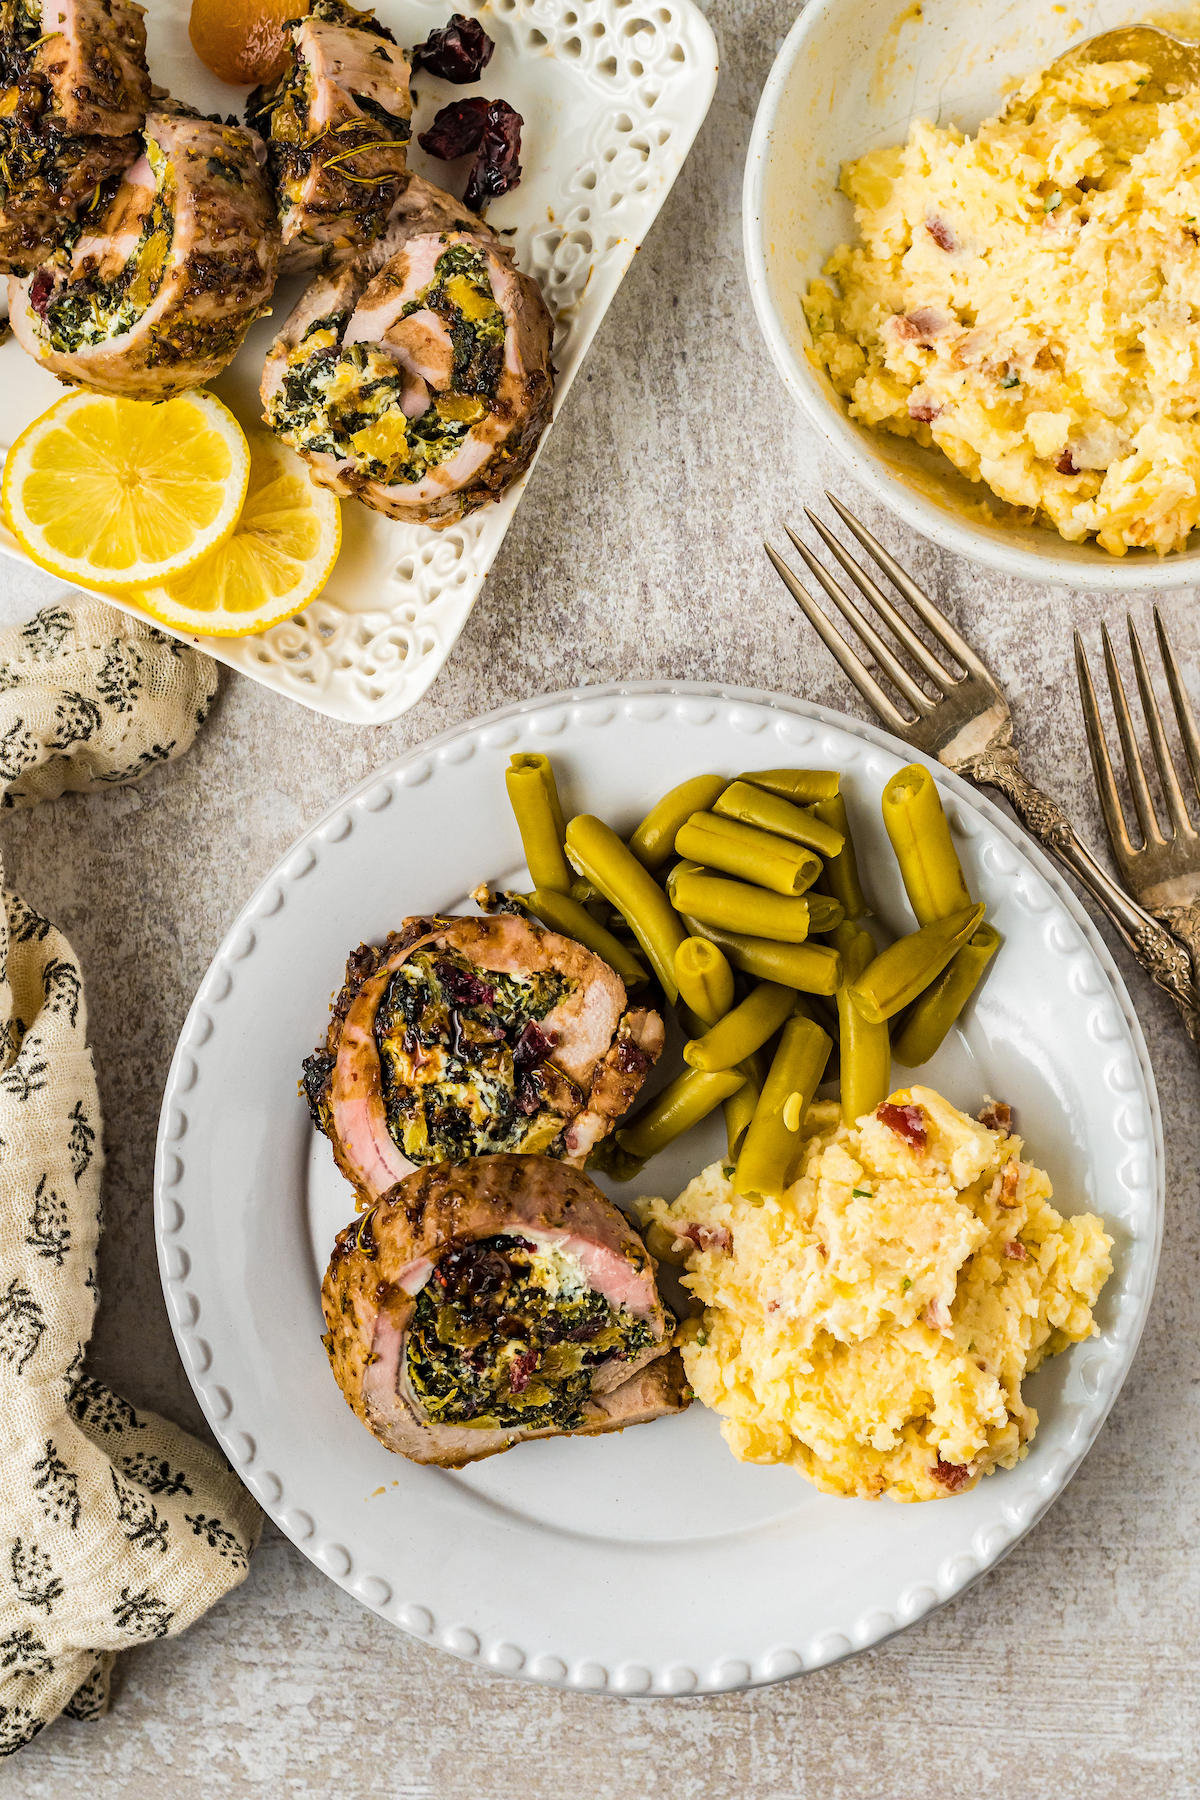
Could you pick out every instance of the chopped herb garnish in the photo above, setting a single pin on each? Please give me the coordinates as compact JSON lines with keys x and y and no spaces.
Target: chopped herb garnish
{"x":702,"y":1338}
{"x":1052,"y":202}
{"x":863,"y":1194}
{"x":905,"y":1285}
{"x":1010,"y":381}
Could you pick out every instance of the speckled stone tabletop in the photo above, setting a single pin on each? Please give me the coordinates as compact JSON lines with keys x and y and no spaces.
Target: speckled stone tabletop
{"x":1071,"y":1669}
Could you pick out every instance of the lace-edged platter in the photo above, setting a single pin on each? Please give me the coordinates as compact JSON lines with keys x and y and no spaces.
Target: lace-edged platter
{"x":648,"y":1562}
{"x":613,"y":93}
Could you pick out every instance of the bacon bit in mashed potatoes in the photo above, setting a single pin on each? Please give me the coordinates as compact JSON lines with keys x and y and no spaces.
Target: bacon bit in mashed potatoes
{"x":1028,"y":300}
{"x":873,"y":1327}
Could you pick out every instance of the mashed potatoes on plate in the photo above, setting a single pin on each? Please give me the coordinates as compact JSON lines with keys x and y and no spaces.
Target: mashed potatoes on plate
{"x":873,"y":1327}
{"x":1028,"y":300}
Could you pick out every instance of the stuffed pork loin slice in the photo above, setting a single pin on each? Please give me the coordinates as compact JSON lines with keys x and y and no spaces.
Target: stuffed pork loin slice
{"x":92,"y":56}
{"x":169,"y":273}
{"x":501,"y":1299}
{"x":423,"y":385}
{"x":73,"y":90}
{"x":470,"y":1035}
{"x":337,"y":125}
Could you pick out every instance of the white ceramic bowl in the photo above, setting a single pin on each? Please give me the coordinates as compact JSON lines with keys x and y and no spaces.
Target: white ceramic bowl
{"x":851,"y":76}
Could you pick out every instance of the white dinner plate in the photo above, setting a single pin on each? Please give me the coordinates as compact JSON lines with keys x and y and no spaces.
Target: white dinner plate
{"x":650,"y":1561}
{"x":612,"y":94}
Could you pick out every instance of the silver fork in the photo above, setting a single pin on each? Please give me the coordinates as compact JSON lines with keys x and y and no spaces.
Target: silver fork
{"x":1164,"y":870}
{"x":968,"y":727}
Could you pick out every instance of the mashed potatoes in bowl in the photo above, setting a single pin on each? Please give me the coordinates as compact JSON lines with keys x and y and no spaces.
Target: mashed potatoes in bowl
{"x":1027,"y":301}
{"x":874,"y":1326}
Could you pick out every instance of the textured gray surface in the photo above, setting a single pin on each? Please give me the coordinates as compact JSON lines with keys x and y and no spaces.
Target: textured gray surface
{"x":1072,"y":1668}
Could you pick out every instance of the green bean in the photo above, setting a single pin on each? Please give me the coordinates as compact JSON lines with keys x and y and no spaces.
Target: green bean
{"x":739,"y":1110}
{"x":840,"y":875}
{"x":654,"y":840}
{"x":596,"y":851}
{"x":609,"y":1158}
{"x":736,"y":906}
{"x":682,"y":1104}
{"x":916,"y":824}
{"x":743,"y":1030}
{"x":866,"y":1049}
{"x":802,"y":786}
{"x":812,"y":968}
{"x":563,"y":914}
{"x":704,"y":979}
{"x":533,"y":793}
{"x":824,"y":914}
{"x":907,"y":967}
{"x":774,"y":1136}
{"x":941,"y":1003}
{"x":752,"y":855}
{"x":753,"y":806}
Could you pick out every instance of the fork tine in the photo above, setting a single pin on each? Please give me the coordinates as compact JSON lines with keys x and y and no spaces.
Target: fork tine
{"x":895,"y":671}
{"x":1106,"y":786}
{"x":921,"y":604}
{"x":1172,"y":792}
{"x":1184,"y":716}
{"x":895,"y":621}
{"x":1138,"y":787}
{"x":837,"y":646}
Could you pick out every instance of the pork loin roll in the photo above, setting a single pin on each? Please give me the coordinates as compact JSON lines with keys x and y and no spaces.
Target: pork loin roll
{"x":337,"y":125}
{"x":424,"y":387}
{"x":503,"y":1299}
{"x":91,"y":54}
{"x":465,"y":1036}
{"x":169,"y":273}
{"x":75,"y":90}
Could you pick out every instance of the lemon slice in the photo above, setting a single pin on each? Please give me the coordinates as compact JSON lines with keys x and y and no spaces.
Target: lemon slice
{"x":120,"y":493}
{"x":278,"y":559}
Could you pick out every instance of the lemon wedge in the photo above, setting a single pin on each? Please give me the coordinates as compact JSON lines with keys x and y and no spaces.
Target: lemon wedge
{"x":118,"y":494}
{"x":278,"y":559}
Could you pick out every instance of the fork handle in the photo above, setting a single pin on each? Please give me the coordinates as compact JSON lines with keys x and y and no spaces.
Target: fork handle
{"x":1169,"y":957}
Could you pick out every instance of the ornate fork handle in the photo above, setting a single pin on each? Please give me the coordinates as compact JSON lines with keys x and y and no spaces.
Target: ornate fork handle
{"x":1168,"y":961}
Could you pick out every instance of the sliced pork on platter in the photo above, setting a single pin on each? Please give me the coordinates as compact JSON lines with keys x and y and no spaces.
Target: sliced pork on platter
{"x":336,"y":125}
{"x":466,"y":1036}
{"x":503,"y":1299}
{"x":92,"y":56}
{"x":74,"y":89}
{"x":174,"y":263}
{"x":423,"y":385}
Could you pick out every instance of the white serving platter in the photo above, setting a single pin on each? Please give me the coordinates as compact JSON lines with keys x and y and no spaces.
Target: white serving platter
{"x":651,"y":1561}
{"x":612,"y":93}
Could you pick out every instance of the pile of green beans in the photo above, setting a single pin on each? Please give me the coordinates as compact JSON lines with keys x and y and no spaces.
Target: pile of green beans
{"x":719,"y":896}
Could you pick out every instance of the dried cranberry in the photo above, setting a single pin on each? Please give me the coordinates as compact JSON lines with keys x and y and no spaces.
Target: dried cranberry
{"x":908,"y":1122}
{"x":520,"y":1369}
{"x":529,"y":1053}
{"x":459,"y":52}
{"x":630,"y":1060}
{"x":923,"y":411}
{"x":531,"y":1049}
{"x":457,"y":129}
{"x":942,"y":235}
{"x":462,"y":988}
{"x":496,"y":168}
{"x":40,"y":290}
{"x":951,"y":1475}
{"x":474,"y":1270}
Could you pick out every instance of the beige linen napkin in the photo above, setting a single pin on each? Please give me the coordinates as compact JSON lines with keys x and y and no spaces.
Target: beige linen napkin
{"x":115,"y":1526}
